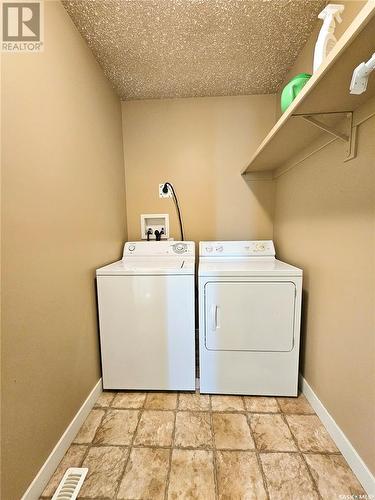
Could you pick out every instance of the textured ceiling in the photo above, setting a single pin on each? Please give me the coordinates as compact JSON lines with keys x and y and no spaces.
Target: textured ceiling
{"x":182,"y":48}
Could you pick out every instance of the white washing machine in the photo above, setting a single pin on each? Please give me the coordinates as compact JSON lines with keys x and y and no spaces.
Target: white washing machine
{"x":146,"y":317}
{"x":249,"y":319}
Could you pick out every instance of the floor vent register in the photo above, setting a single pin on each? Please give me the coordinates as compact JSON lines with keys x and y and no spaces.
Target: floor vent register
{"x":70,"y":484}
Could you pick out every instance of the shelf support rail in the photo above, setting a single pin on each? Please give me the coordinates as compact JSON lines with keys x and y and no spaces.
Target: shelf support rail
{"x":349,"y":138}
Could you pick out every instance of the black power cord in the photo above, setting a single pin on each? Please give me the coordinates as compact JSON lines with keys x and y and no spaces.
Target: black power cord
{"x":166,"y":187}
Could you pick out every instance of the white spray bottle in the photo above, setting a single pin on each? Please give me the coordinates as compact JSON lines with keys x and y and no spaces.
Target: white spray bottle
{"x":326,"y":39}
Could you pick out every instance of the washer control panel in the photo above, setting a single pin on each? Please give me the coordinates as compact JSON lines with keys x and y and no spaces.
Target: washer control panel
{"x":258,"y":248}
{"x":159,"y":248}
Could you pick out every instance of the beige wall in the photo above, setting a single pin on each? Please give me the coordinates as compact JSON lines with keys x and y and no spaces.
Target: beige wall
{"x":325,"y":223}
{"x":63,"y":215}
{"x":200,"y":145}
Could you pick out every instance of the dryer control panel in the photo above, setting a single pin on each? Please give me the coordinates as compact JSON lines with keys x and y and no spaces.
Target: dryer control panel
{"x":159,"y":248}
{"x":257,"y":248}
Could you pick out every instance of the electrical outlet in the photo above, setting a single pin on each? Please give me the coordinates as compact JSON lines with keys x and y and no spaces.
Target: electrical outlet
{"x":164,"y":195}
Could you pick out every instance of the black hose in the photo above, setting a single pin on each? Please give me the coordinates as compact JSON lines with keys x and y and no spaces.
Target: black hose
{"x":165,"y":190}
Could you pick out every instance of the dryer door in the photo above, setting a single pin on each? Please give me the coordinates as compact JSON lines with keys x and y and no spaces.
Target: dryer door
{"x":250,"y":316}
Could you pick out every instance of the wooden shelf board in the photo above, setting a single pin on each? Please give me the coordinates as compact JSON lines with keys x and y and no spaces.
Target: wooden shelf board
{"x":327,"y":91}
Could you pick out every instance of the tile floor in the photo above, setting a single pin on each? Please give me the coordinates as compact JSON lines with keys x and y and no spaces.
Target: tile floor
{"x":191,"y":446}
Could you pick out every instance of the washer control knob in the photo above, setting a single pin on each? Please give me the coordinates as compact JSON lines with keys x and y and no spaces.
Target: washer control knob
{"x":179,"y":248}
{"x":209,"y":249}
{"x":131,"y":248}
{"x":219,"y":249}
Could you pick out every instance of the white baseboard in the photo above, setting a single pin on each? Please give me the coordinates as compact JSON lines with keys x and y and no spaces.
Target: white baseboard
{"x":355,"y":462}
{"x":40,"y":481}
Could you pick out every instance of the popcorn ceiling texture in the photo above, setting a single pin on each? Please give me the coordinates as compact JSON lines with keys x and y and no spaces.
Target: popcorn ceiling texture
{"x":191,"y":48}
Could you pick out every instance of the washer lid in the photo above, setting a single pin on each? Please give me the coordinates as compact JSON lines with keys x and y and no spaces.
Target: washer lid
{"x":246,"y":267}
{"x":159,"y":266}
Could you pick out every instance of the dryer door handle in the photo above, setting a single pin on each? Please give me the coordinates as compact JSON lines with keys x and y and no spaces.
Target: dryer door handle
{"x":215,"y":317}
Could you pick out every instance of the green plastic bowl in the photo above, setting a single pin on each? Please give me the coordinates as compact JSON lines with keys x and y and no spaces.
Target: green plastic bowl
{"x":292,"y":89}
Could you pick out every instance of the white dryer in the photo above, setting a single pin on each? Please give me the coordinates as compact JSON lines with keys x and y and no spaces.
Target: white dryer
{"x":146,"y":317}
{"x":249,"y":319}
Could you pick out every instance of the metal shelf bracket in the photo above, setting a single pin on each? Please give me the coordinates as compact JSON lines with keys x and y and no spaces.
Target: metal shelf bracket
{"x":349,"y":137}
